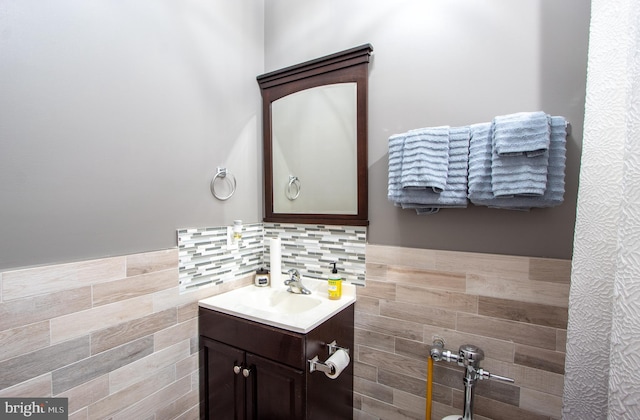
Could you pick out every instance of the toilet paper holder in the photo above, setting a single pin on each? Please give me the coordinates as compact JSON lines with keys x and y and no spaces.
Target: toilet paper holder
{"x":316,"y":364}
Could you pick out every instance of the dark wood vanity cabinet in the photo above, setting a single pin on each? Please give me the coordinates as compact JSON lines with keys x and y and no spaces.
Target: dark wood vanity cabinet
{"x":254,"y":371}
{"x":243,"y":385}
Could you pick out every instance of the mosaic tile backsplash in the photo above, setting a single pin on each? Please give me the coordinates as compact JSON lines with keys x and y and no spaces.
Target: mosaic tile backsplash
{"x":312,"y":248}
{"x":205,"y":259}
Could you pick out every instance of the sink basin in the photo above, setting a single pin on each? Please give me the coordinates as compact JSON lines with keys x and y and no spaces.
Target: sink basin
{"x":276,"y":307}
{"x":281,"y":301}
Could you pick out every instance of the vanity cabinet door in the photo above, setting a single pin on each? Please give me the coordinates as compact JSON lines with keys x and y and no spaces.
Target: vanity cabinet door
{"x":275,"y":391}
{"x":224,"y":387}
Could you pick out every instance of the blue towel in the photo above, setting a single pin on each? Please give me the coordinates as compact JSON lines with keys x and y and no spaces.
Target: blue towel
{"x":425,"y":159}
{"x":396,"y":142}
{"x":426,"y":201}
{"x":480,"y":152}
{"x":518,"y":175}
{"x":523,"y":133}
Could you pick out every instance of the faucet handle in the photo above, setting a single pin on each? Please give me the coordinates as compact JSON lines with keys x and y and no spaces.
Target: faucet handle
{"x":483,"y":374}
{"x":294,"y":274}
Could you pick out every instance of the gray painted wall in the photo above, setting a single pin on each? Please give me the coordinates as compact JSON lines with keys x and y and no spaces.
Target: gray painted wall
{"x":114,"y":117}
{"x":452,"y":62}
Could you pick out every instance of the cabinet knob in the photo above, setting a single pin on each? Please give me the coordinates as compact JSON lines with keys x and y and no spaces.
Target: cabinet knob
{"x":236,"y":369}
{"x":246,"y":372}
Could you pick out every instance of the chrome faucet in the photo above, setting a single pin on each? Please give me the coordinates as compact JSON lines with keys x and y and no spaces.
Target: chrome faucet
{"x":295,"y":283}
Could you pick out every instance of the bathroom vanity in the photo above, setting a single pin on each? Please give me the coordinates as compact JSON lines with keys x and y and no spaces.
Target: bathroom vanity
{"x":252,"y":370}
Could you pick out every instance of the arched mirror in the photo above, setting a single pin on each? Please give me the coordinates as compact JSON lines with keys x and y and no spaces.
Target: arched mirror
{"x":315,"y":140}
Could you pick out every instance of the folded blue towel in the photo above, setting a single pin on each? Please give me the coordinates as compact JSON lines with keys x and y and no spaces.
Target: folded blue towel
{"x":426,"y":201}
{"x":523,"y":133}
{"x":518,"y":175}
{"x":425,"y":159}
{"x":480,"y":153}
{"x":396,"y":142}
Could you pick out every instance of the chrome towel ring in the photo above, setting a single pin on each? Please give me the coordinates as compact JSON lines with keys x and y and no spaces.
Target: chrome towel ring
{"x":293,"y":188}
{"x":223,"y":174}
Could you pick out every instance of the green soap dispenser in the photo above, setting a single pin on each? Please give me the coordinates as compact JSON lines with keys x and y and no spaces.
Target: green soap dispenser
{"x":335,"y":284}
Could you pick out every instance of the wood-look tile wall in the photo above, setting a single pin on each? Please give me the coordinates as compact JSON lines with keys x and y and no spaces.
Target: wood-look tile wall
{"x":113,"y":335}
{"x":117,"y":338}
{"x":514,"y":308}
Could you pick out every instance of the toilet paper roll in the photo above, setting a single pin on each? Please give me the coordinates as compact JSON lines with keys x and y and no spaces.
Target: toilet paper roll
{"x":338,"y":361}
{"x":275,"y":262}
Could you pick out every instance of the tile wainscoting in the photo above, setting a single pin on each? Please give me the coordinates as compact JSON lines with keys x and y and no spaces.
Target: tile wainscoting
{"x":514,"y":308}
{"x":113,"y":335}
{"x":116,"y":336}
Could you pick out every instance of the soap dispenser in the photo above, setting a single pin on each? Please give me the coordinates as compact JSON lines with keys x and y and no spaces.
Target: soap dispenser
{"x":335,"y":284}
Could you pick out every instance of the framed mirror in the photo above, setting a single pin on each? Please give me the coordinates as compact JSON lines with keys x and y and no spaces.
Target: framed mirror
{"x":315,"y":140}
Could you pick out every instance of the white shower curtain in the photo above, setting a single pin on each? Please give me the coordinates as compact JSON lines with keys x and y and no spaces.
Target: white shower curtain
{"x":603,"y":337}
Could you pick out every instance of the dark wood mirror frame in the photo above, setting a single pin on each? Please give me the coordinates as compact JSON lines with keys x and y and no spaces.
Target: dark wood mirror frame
{"x":343,"y":67}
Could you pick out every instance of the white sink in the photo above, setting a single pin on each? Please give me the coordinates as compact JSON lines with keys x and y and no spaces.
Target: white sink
{"x":280,"y":301}
{"x":276,"y":307}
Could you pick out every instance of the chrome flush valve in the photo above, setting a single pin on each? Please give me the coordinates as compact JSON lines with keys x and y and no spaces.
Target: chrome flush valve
{"x":470,"y":355}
